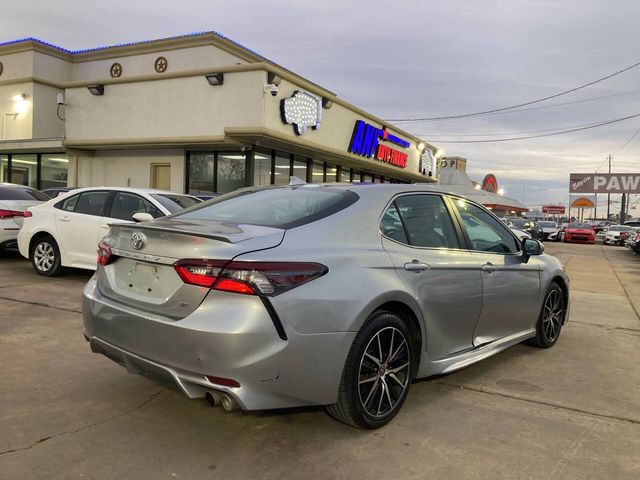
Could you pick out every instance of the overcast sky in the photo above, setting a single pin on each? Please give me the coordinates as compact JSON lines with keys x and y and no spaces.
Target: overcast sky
{"x":420,"y":58}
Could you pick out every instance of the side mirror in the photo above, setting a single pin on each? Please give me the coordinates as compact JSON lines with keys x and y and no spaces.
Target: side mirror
{"x":531,"y":246}
{"x":142,"y":217}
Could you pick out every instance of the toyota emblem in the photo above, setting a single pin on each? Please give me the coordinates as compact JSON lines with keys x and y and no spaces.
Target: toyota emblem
{"x":137,"y":240}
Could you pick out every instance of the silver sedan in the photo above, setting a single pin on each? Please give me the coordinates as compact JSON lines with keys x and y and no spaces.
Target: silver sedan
{"x":336,"y":295}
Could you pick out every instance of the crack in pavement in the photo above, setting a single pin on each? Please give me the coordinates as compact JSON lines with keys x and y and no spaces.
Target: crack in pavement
{"x":40,"y":304}
{"x":636,"y":331}
{"x":540,"y":402}
{"x":86,"y":427}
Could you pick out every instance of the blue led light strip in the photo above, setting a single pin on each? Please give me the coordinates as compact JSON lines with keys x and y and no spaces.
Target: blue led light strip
{"x":105,"y":47}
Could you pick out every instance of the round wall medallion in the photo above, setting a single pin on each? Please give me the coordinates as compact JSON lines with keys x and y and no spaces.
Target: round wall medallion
{"x":161,"y":65}
{"x":115,"y":70}
{"x":1,"y":68}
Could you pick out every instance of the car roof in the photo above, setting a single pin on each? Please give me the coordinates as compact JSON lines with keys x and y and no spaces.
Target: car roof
{"x":16,"y":185}
{"x":126,"y":189}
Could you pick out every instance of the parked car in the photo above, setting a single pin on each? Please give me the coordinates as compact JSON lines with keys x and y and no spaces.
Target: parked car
{"x":56,"y":191}
{"x":526,"y":225}
{"x":14,"y":201}
{"x":633,"y":223}
{"x":579,"y":233}
{"x":634,"y":242}
{"x":613,"y":235}
{"x":205,"y":196}
{"x":64,"y":232}
{"x":335,"y":295}
{"x":600,"y":226}
{"x":548,"y":227}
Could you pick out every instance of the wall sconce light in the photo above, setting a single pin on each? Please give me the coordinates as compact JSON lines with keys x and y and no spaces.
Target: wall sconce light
{"x":97,"y":90}
{"x":215,"y":78}
{"x":421,"y":146}
{"x":273,"y":78}
{"x":20,"y":103}
{"x":326,"y":103}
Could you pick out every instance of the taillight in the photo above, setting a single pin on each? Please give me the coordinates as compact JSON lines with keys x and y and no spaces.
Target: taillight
{"x":104,"y":254}
{"x":11,"y":214}
{"x":27,"y":214}
{"x":249,"y":278}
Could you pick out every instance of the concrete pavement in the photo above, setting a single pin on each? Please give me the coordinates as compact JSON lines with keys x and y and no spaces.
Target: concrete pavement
{"x":572,"y":411}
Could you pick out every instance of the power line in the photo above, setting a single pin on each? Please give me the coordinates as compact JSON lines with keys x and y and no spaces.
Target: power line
{"x":506,"y":133}
{"x":475,"y":114}
{"x":544,"y":107}
{"x":628,"y":142}
{"x":601,"y":124}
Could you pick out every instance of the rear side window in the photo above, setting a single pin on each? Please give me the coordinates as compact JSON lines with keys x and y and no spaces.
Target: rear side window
{"x":68,"y":204}
{"x":14,"y":193}
{"x":425,"y":222}
{"x":280,"y":207}
{"x":175,"y":203}
{"x":91,"y":203}
{"x":126,"y":205}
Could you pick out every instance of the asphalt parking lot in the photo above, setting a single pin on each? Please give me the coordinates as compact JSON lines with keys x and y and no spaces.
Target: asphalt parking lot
{"x":572,"y":411}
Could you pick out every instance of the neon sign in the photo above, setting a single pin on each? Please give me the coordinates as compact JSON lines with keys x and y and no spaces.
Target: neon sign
{"x":366,"y":139}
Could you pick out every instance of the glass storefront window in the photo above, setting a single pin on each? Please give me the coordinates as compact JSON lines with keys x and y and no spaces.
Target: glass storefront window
{"x":262,"y":169}
{"x":201,"y":173}
{"x":4,"y":168}
{"x":300,"y":169}
{"x":367,"y":177}
{"x":317,"y":174}
{"x":332,"y":174}
{"x":24,"y":170}
{"x":231,"y":171}
{"x":283,"y":169}
{"x":377,"y":179}
{"x":54,"y":170}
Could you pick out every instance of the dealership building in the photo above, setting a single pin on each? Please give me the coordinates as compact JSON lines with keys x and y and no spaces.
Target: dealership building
{"x":196,"y":113}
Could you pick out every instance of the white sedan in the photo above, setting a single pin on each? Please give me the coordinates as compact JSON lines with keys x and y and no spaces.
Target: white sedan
{"x":14,"y":201}
{"x":612,"y":235}
{"x":65,"y":231}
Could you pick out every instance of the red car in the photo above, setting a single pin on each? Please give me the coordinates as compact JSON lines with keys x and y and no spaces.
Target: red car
{"x":579,"y":232}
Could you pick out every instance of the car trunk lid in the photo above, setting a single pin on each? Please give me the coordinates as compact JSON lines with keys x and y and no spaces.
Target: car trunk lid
{"x":141,"y":273}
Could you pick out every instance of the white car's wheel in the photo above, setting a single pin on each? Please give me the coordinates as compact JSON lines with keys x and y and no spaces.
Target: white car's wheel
{"x":45,"y":257}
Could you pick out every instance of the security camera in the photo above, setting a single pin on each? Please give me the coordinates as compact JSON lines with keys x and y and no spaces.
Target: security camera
{"x":272,"y":89}
{"x":60,"y":99}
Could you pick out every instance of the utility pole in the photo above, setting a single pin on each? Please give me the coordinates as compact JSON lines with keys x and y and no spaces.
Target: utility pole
{"x":608,"y":194}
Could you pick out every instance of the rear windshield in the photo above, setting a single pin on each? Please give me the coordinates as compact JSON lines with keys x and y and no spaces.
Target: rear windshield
{"x":279,"y":207}
{"x":175,"y":203}
{"x":547,"y":224}
{"x":15,"y":193}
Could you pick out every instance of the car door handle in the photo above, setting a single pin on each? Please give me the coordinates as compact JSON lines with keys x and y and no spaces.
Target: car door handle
{"x":65,"y":219}
{"x":489,"y":267}
{"x":416,"y":266}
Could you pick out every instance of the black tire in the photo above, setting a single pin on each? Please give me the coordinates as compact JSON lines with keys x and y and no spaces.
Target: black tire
{"x":366,"y":375}
{"x":45,"y":257}
{"x":551,"y":318}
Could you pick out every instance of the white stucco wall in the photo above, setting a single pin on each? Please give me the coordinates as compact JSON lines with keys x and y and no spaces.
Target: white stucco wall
{"x":181,"y":107}
{"x":128,"y":168}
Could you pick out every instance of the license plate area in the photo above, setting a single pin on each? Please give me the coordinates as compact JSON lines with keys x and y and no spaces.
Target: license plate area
{"x":144,"y":279}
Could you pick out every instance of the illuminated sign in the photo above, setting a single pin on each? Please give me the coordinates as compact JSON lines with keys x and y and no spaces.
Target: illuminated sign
{"x":553,"y":209}
{"x":365,"y":142}
{"x":302,"y":110}
{"x":490,"y":184}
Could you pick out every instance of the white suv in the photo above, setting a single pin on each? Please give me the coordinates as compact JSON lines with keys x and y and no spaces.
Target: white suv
{"x":65,"y":231}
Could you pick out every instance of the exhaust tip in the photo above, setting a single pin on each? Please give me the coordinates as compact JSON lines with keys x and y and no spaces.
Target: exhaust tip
{"x":211,"y":399}
{"x":228,"y":403}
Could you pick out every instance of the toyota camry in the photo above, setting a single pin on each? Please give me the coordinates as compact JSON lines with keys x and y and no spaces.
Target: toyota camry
{"x":337,"y":295}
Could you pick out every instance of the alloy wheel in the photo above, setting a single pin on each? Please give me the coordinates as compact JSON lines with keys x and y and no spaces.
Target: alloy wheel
{"x":384,"y":372}
{"x":552,"y":315}
{"x":44,"y":256}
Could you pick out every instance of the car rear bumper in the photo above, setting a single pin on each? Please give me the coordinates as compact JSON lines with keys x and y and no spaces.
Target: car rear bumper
{"x":245,"y":346}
